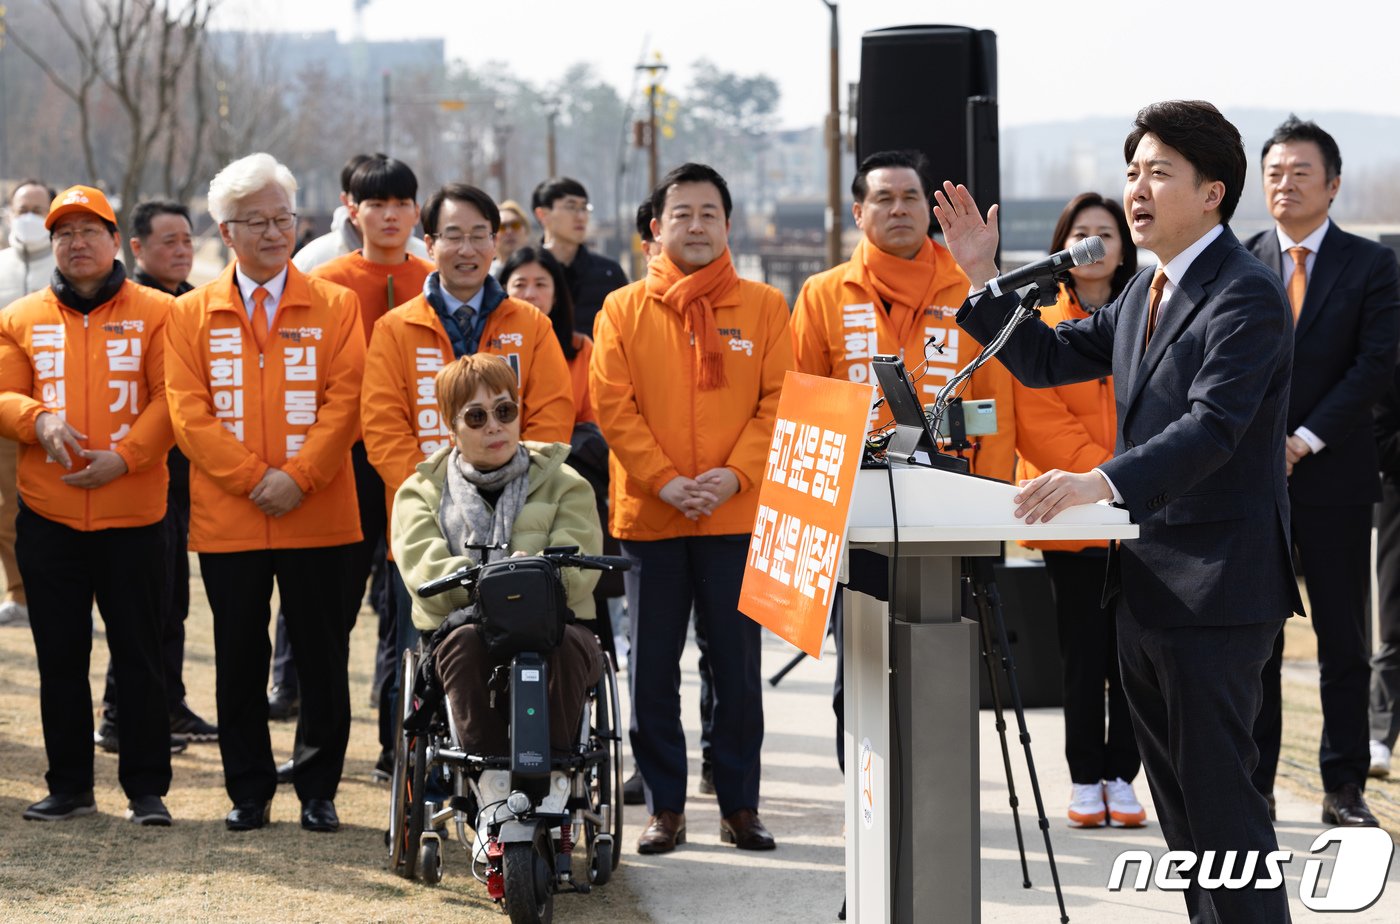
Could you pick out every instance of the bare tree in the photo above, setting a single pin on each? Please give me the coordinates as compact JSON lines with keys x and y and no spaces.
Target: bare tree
{"x":146,"y":60}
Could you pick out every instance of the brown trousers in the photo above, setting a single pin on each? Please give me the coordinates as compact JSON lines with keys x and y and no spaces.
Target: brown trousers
{"x":9,"y":509}
{"x":465,"y":668}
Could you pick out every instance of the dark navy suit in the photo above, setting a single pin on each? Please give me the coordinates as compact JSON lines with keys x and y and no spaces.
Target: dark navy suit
{"x":1343,"y":354}
{"x":1204,"y":589}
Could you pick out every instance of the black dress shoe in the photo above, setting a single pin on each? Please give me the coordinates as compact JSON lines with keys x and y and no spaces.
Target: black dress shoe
{"x":1346,"y":806}
{"x":707,"y":780}
{"x":634,"y":790}
{"x":285,"y":770}
{"x":745,"y":831}
{"x":248,"y":816}
{"x":282,"y":704}
{"x":319,"y":815}
{"x":60,"y":806}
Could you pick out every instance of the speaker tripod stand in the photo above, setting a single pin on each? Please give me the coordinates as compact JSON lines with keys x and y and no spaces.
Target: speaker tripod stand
{"x":980,"y":578}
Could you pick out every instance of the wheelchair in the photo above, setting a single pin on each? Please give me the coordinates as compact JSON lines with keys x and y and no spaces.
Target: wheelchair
{"x":541,"y":823}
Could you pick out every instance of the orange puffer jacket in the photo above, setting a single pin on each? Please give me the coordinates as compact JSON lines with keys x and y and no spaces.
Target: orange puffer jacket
{"x":238,"y":412}
{"x":1069,"y":427}
{"x":399,"y":407}
{"x":103,"y":372}
{"x":838,"y":325}
{"x":659,"y":424}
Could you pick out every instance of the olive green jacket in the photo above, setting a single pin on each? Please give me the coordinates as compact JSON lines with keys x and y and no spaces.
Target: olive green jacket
{"x":559,"y":510}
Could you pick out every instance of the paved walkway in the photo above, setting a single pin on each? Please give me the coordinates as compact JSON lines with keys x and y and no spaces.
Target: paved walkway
{"x":803,"y":880}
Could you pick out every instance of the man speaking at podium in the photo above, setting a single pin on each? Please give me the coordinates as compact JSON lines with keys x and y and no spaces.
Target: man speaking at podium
{"x":1202,"y":349}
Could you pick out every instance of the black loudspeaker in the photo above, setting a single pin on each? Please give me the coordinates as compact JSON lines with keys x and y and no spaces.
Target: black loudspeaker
{"x":933,"y":89}
{"x":1029,"y":612}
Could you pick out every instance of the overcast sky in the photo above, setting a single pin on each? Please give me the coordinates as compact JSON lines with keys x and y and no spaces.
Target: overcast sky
{"x":1058,"y":60}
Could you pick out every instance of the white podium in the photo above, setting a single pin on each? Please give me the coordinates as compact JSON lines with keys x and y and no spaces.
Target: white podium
{"x":912,"y":784}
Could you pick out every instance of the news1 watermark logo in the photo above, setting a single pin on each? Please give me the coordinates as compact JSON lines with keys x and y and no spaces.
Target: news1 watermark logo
{"x":1355,"y":883}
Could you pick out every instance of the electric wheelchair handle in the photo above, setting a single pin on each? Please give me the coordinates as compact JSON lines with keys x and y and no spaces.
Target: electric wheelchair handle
{"x":560,"y":557}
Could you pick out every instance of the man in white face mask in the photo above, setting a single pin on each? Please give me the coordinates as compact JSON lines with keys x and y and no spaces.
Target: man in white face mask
{"x":25,"y":266}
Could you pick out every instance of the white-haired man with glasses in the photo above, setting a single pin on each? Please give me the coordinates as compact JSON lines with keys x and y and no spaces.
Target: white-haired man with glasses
{"x":264,"y":387}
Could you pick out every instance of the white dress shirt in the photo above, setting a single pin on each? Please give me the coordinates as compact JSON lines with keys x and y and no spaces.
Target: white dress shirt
{"x":1175,"y":271}
{"x":274,"y":287}
{"x":1313,"y":242}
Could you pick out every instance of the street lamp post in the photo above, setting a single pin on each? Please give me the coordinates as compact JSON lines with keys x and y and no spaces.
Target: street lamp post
{"x":833,"y":146}
{"x":553,"y":116}
{"x":654,"y":71}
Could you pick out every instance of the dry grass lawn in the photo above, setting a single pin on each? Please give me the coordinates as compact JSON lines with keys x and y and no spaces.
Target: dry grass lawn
{"x":102,"y":868}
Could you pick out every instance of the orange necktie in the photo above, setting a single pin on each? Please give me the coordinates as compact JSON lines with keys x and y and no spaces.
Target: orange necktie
{"x":260,"y":316}
{"x":1159,"y":285}
{"x":1298,"y":282}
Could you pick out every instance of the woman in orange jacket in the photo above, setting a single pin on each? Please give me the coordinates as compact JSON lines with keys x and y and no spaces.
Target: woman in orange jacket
{"x":1072,"y":427}
{"x":263,"y":381}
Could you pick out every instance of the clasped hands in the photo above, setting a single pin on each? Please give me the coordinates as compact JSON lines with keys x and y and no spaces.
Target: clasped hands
{"x":699,"y":496}
{"x":58,"y":437}
{"x":277,"y":493}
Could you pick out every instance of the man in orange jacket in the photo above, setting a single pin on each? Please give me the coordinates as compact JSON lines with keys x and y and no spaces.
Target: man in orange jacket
{"x":897,"y":295}
{"x":264,"y":384}
{"x":687,"y":368}
{"x":82,"y":390}
{"x":460,"y":310}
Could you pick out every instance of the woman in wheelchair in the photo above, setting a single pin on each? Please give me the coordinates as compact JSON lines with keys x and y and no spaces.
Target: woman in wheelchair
{"x":489,"y":489}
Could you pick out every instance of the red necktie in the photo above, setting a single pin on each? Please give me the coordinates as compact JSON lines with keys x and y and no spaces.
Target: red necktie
{"x":1298,"y":282}
{"x":260,"y":316}
{"x":1159,"y":285}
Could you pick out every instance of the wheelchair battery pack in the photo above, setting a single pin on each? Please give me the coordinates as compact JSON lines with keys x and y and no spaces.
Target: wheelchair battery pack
{"x":529,"y":717}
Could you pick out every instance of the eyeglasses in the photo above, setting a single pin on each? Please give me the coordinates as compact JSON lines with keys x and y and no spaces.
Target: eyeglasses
{"x":259,"y":226}
{"x":454,"y":238}
{"x":475,"y":416}
{"x":575,"y":208}
{"x":512,"y":226}
{"x":86,"y":234}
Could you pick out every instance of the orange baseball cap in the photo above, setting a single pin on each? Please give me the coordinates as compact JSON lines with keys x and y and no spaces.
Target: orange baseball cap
{"x":79,"y":199}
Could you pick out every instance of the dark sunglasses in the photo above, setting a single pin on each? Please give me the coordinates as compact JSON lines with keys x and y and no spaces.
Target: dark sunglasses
{"x":475,"y":416}
{"x":512,"y":226}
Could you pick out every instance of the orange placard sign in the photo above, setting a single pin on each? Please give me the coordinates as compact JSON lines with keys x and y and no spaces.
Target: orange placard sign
{"x":799,"y":533}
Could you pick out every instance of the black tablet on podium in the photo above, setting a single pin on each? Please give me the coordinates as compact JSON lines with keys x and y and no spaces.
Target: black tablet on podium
{"x":912,"y":442}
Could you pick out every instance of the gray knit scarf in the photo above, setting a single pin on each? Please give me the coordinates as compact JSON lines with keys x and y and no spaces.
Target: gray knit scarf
{"x":465,"y":517}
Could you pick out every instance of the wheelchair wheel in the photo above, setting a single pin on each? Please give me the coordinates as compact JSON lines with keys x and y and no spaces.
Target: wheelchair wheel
{"x":528,"y":874}
{"x":406,"y":785}
{"x":430,"y":861}
{"x":610,"y":773}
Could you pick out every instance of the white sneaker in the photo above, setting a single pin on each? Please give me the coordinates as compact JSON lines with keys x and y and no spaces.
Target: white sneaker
{"x":1086,"y":805}
{"x":1380,"y":760}
{"x":1124,"y":809}
{"x":14,"y":614}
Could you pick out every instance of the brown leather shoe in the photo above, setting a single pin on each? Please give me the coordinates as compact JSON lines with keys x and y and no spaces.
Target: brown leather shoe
{"x":1346,"y":806}
{"x":665,"y":830}
{"x":745,"y":831}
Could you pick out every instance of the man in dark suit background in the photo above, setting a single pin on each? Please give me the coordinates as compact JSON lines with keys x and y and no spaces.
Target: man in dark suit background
{"x":1345,"y":295}
{"x":1202,"y":354}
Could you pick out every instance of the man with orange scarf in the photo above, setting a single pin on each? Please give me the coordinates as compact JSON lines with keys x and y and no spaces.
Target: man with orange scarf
{"x":687,"y":367}
{"x":898,"y":294}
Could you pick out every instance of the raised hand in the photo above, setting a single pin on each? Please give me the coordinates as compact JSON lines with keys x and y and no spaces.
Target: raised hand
{"x":971,"y":241}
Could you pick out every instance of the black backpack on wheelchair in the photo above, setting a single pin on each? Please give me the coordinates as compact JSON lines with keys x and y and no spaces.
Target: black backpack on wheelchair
{"x":519,"y":605}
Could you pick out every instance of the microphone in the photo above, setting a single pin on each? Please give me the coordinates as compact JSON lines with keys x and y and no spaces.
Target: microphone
{"x":1088,"y":250}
